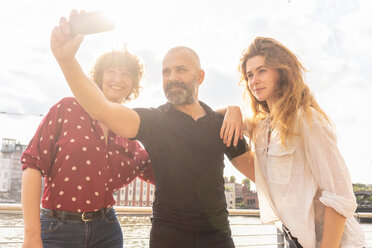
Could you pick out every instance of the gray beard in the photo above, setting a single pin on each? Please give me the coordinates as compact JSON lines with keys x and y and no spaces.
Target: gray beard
{"x":180,"y":97}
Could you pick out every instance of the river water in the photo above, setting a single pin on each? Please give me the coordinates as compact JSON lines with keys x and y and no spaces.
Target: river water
{"x":246,"y":231}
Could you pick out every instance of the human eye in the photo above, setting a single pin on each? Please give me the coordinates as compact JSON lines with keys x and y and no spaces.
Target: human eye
{"x":165,"y":72}
{"x":181,"y":69}
{"x":126,"y":74}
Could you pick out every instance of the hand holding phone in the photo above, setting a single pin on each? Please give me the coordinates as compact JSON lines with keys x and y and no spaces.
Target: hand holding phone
{"x":90,"y":23}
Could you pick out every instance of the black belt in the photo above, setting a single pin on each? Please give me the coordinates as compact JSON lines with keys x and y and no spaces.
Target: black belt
{"x":86,"y":216}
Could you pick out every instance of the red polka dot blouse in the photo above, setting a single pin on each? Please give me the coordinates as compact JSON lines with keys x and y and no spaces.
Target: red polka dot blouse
{"x":81,"y":171}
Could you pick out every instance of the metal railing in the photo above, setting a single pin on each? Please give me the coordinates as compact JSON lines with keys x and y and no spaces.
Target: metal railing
{"x":147,"y":211}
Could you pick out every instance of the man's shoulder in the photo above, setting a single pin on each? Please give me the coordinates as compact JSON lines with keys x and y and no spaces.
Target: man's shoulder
{"x":211,"y":113}
{"x":151,"y":116}
{"x":161,"y":108}
{"x":218,"y":115}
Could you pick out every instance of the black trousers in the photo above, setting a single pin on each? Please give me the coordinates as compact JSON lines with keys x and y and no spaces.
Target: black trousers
{"x":164,"y":235}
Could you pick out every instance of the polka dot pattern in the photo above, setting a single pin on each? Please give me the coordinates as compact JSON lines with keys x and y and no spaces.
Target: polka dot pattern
{"x":85,"y":170}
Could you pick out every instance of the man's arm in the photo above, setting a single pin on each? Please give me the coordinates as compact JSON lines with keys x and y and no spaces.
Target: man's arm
{"x":245,"y":164}
{"x":31,"y":192}
{"x":232,"y":126}
{"x":119,"y":119}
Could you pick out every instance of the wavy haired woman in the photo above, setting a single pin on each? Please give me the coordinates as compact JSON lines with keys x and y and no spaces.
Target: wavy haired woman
{"x":301,"y":178}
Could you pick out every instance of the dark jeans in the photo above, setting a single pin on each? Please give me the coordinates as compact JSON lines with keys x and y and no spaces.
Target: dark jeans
{"x":163,"y":235}
{"x":290,"y":241}
{"x":102,"y":232}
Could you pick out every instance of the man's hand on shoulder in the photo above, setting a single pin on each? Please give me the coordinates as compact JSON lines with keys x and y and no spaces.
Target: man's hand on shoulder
{"x":232,"y":126}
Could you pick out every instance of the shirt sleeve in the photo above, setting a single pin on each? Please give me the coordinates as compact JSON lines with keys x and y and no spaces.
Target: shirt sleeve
{"x":133,"y":162}
{"x":235,"y":151}
{"x":146,"y":173}
{"x":40,"y":152}
{"x":150,"y":119}
{"x":328,"y":166}
{"x":141,"y":161}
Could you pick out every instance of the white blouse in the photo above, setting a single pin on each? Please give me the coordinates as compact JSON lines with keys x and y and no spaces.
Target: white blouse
{"x":295,"y":183}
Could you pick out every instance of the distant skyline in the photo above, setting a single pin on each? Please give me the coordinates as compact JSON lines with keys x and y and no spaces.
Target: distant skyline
{"x":331,"y":38}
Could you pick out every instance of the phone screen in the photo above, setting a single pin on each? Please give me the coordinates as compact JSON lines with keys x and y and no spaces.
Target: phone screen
{"x":90,"y":23}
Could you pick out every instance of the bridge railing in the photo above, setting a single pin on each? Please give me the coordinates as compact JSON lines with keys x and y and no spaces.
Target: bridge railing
{"x":141,"y":238}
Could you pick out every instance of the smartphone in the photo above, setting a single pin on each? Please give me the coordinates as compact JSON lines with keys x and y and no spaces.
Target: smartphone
{"x":90,"y":23}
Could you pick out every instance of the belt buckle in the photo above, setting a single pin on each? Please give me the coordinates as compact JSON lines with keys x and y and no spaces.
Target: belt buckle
{"x":85,"y":219}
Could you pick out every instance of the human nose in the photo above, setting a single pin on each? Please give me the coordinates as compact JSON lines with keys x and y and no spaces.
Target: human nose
{"x":172,"y":76}
{"x":117,"y":77}
{"x":254,"y":80}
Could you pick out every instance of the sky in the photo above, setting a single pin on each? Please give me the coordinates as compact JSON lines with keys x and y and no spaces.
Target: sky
{"x":331,"y":38}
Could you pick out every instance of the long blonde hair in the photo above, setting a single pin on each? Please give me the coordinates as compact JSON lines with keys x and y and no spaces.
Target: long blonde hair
{"x":292,"y":92}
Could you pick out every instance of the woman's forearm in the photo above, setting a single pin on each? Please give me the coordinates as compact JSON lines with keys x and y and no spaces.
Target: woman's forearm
{"x":31,"y":192}
{"x":118,"y":118}
{"x":90,"y":97}
{"x":334,"y":224}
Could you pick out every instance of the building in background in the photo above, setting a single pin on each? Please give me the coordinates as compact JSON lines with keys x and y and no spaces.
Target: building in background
{"x":239,"y":195}
{"x":11,"y":170}
{"x":138,"y":194}
{"x":230,"y":193}
{"x":249,"y":199}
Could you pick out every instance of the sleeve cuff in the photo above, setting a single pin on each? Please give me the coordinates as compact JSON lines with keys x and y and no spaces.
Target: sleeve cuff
{"x":342,"y":205}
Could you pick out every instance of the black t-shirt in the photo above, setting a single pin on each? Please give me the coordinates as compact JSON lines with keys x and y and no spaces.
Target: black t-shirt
{"x":187,"y":159}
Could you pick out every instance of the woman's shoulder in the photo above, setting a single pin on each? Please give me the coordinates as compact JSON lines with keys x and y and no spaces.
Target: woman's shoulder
{"x":68,"y":106}
{"x":311,"y":116}
{"x":67,"y":101}
{"x":314,"y":121}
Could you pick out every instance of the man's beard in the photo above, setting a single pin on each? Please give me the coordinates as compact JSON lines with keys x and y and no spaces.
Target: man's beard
{"x":183,"y":96}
